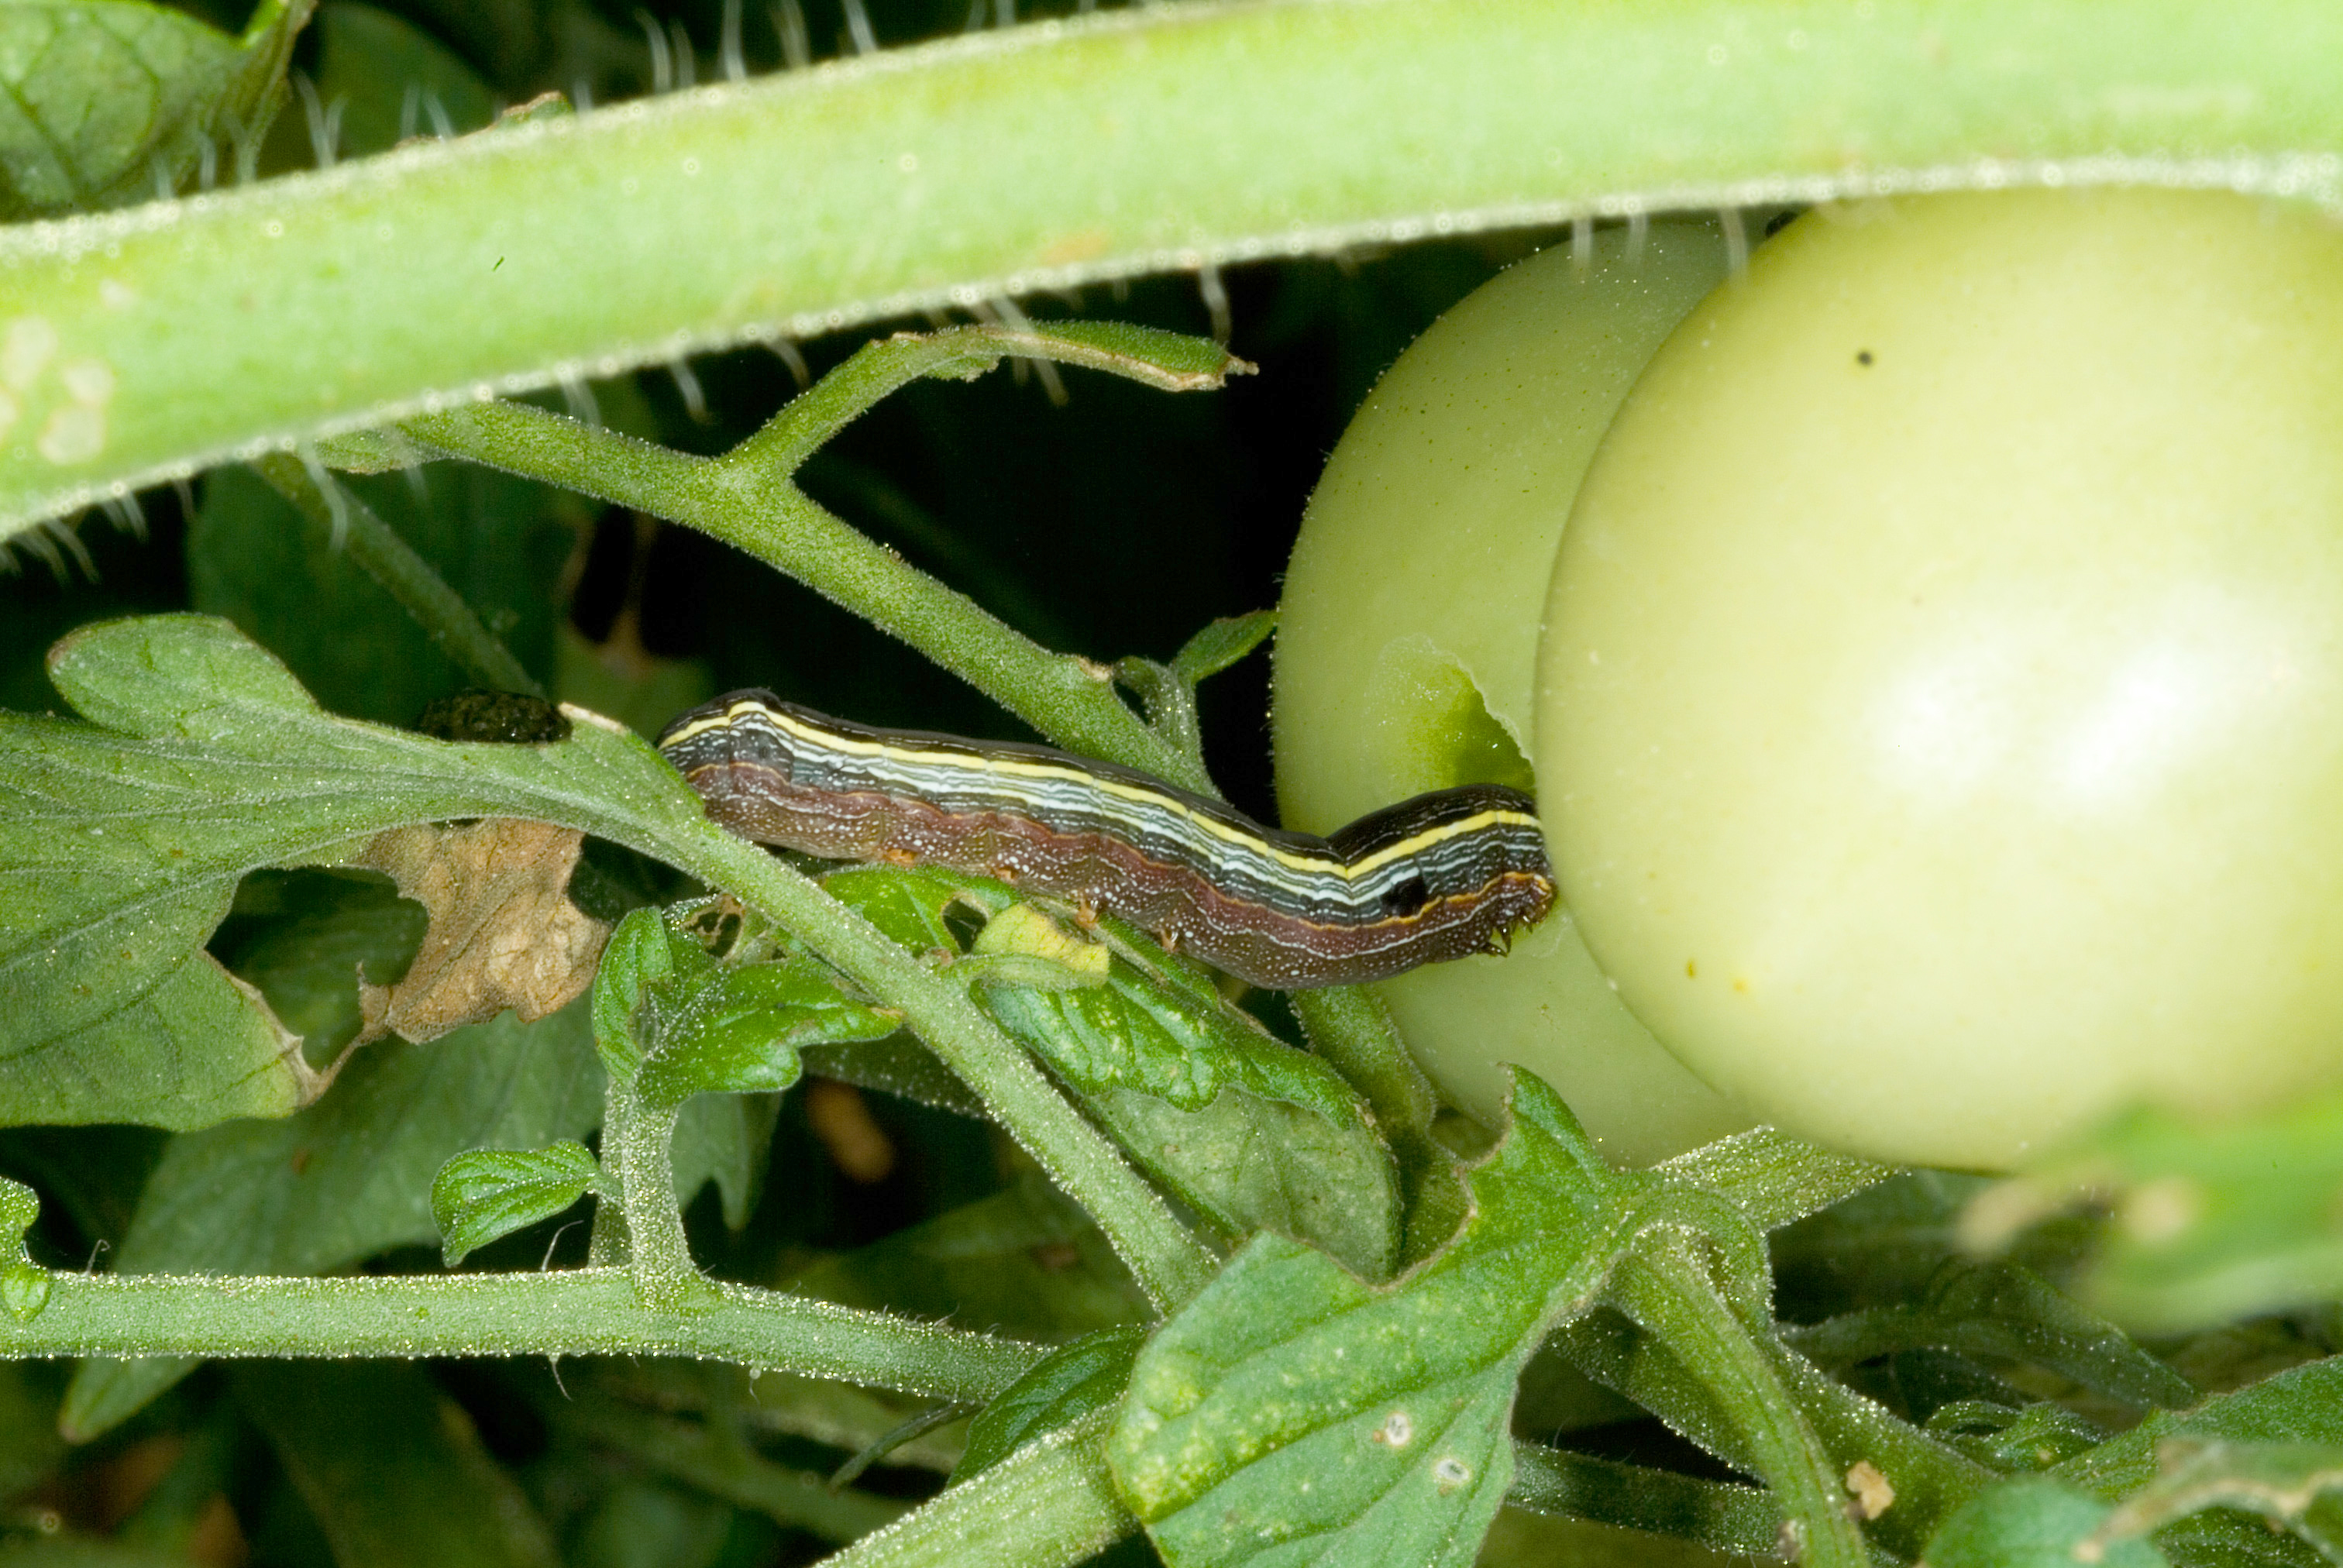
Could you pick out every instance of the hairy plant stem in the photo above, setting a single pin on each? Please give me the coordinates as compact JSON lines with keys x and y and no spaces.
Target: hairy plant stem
{"x":567,"y":1312}
{"x":1070,"y":700}
{"x":638,"y":1153}
{"x":1667,"y":1286}
{"x":1169,"y":1262}
{"x":1067,"y":151}
{"x":378,"y":551}
{"x":1048,"y":1506}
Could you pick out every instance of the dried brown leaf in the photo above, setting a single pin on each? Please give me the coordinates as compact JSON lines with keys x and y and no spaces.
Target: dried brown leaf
{"x":502,"y":934}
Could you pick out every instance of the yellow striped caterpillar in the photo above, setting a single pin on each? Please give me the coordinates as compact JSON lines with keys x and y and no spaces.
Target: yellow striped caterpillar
{"x":1443,"y":875}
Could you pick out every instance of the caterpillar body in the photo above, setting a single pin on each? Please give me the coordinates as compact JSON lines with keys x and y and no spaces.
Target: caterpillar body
{"x":1445,"y":874}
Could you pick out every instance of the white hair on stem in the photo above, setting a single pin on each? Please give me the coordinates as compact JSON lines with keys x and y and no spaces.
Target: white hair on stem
{"x":857,"y":27}
{"x":734,"y":64}
{"x":1216,"y":301}
{"x":663,"y":60}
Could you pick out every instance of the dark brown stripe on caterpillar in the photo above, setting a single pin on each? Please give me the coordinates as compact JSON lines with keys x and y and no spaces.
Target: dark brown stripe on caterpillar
{"x":1445,"y":874}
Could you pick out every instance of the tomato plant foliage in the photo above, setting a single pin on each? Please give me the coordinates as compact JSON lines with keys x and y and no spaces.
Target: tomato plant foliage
{"x":877,"y":1211}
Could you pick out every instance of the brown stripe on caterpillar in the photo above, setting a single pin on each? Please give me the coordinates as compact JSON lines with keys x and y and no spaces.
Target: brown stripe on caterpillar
{"x":1438,"y":876}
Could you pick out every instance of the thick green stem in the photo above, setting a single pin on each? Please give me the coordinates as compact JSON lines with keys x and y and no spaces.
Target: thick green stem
{"x":575,"y":1312}
{"x":1063,"y":152}
{"x":1666,"y":1287}
{"x":1050,"y":1505}
{"x":758,"y":509}
{"x":638,"y":1152}
{"x":405,"y":576}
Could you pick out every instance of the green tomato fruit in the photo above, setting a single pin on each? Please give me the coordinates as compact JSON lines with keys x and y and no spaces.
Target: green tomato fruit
{"x":1940,"y":728}
{"x":1407,"y":646}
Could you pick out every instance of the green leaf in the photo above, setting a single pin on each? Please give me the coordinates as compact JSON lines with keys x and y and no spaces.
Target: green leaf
{"x":2001,"y":1310}
{"x":1774,"y":1178}
{"x":911,"y":907}
{"x":2302,"y":1404}
{"x":1249,"y":1163}
{"x":673,"y":1021}
{"x":1251,"y":1132}
{"x":121,"y":847}
{"x":724,"y":1139}
{"x":1168,"y":1033}
{"x":1221,"y":644}
{"x":2015,"y":1442}
{"x":24,"y":1287}
{"x":739,"y":1034}
{"x":2212,"y":1222}
{"x":478,"y":1197}
{"x":105,"y":100}
{"x":2298,"y":1485}
{"x":408,"y":1482}
{"x":2031,"y":1522}
{"x":1067,"y":1384}
{"x":1291,"y":1412}
{"x":344,"y":1179}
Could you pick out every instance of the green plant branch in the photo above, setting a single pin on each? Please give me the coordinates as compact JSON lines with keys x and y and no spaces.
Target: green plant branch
{"x":1667,"y":1287}
{"x":638,"y":1150}
{"x":1169,"y":1262}
{"x":1064,"y":152}
{"x":963,"y":353}
{"x":758,"y":509}
{"x":1050,"y":1504}
{"x":379,"y":552}
{"x":569,"y":1312}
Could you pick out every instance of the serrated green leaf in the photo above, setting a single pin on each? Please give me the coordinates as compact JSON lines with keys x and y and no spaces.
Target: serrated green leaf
{"x":1292,"y":1413}
{"x":1166,"y":1035}
{"x":122,"y":842}
{"x":344,"y":1179}
{"x":104,"y":101}
{"x":673,"y":1021}
{"x":1774,"y":1178}
{"x":1252,"y":1165}
{"x":492,"y":1193}
{"x":642,"y":954}
{"x":2031,"y":1522}
{"x":738,"y":1033}
{"x":1065,"y":1386}
{"x":2005,"y":1311}
{"x":911,"y":906}
{"x":1253,"y":1133}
